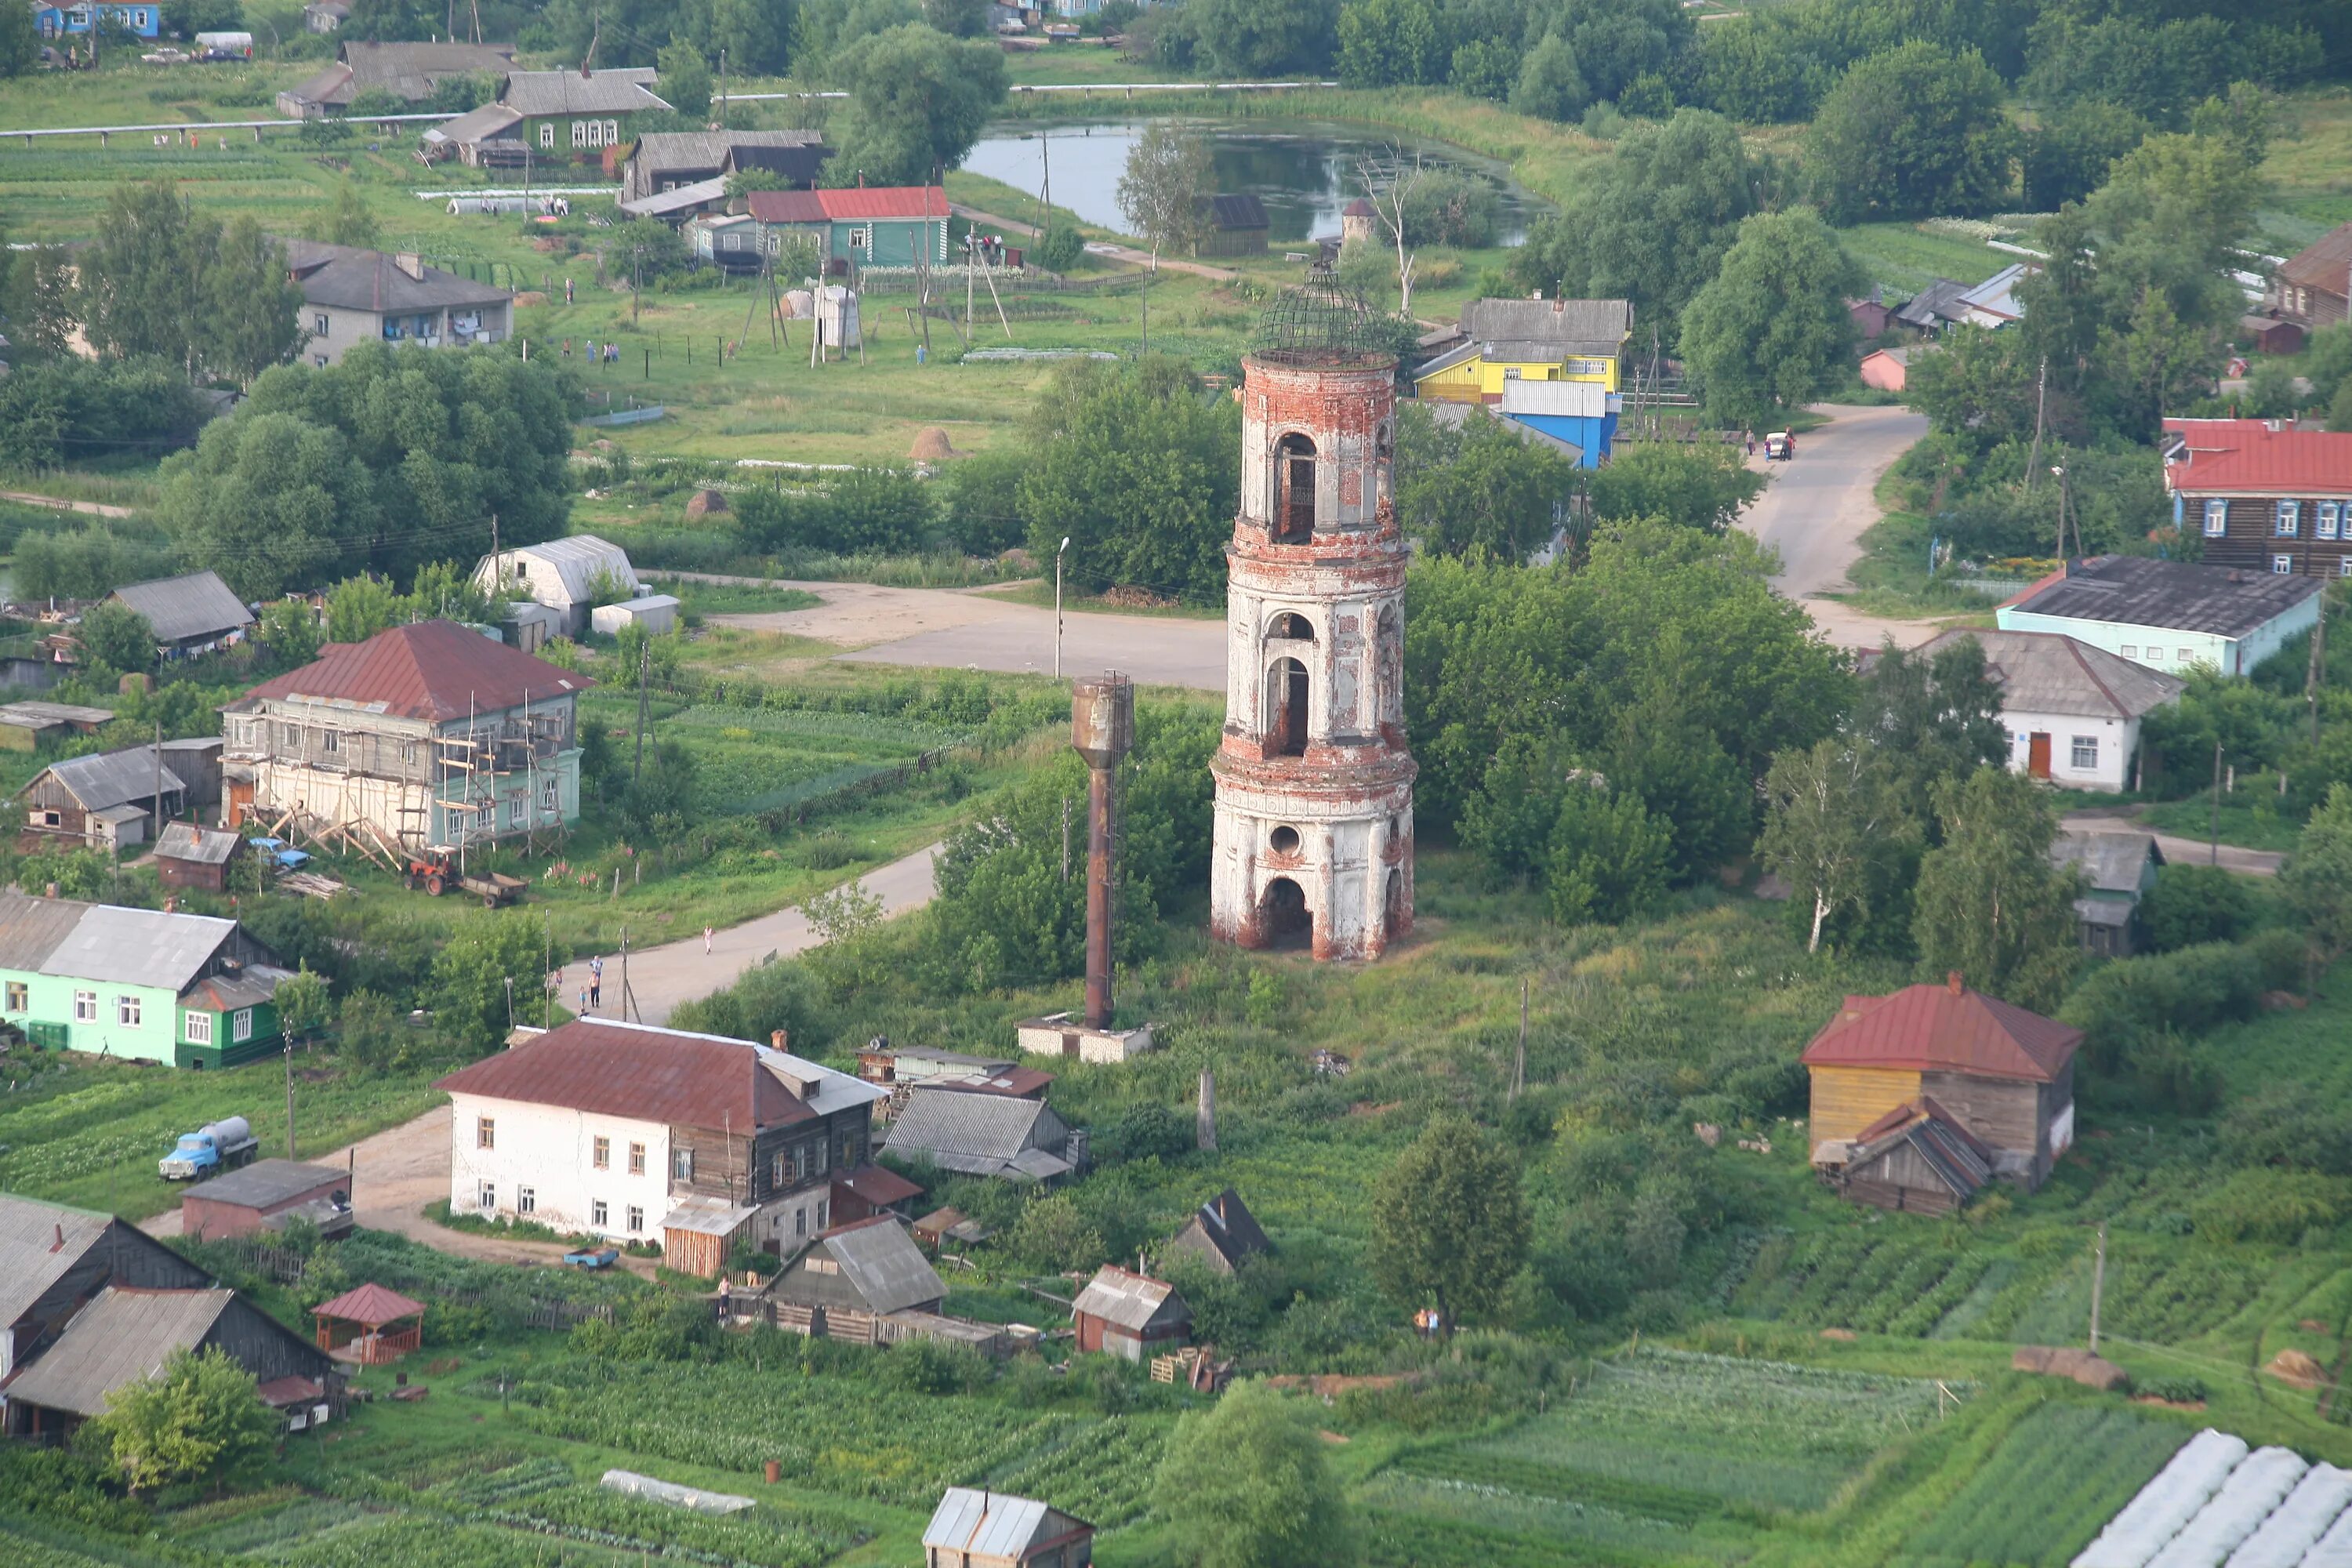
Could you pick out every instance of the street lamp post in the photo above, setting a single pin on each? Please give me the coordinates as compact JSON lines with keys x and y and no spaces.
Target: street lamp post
{"x":1057,"y":606}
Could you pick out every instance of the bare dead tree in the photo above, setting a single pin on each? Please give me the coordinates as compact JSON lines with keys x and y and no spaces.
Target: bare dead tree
{"x":1387,"y":185}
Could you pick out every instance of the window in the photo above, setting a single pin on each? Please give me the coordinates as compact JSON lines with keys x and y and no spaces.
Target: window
{"x":408,"y":752}
{"x":318,"y":325}
{"x":861,"y":239}
{"x":17,"y":996}
{"x":681,"y":1165}
{"x":2329,"y":520}
{"x":546,"y":134}
{"x":2155,"y":654}
{"x":200,"y":1029}
{"x":526,"y":1200}
{"x":2131,"y":650}
{"x":2344,"y":567}
{"x":823,"y":1149}
{"x":612,"y":133}
{"x":2086,"y":752}
{"x":824,"y":1208}
{"x":637,"y":1220}
{"x":331,"y":741}
{"x":731,"y":242}
{"x":2282,"y":565}
{"x":779,"y":1171}
{"x":241,"y":1025}
{"x":488,"y":1196}
{"x":598,"y":1214}
{"x":801,"y":1164}
{"x":85,"y":1007}
{"x":126,"y":1011}
{"x":800,"y":1222}
{"x":2290,"y":514}
{"x":580,"y":133}
{"x":2216,"y":518}
{"x":637,"y":1159}
{"x":601,"y":1154}
{"x":486,"y":1132}
{"x":848,"y":1150}
{"x":2185,"y":655}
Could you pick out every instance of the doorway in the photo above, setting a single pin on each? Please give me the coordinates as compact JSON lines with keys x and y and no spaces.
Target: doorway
{"x":2037,"y":755}
{"x":1287,"y":683}
{"x":1283,"y":915}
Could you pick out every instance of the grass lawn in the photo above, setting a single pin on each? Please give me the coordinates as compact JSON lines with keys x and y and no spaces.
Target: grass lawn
{"x":2252,"y":815}
{"x":1905,"y":257}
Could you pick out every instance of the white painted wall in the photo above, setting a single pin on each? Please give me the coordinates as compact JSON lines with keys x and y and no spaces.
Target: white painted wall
{"x":550,"y":1150}
{"x":2174,"y":651}
{"x":2117,"y":740}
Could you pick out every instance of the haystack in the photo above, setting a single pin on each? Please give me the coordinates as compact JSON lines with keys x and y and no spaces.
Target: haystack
{"x":702,"y":503}
{"x":931,"y":447}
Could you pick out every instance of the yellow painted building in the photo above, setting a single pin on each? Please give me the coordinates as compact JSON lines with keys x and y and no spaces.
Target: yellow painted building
{"x":1526,"y":340}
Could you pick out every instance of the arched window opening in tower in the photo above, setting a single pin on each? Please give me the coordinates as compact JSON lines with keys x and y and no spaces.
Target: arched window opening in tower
{"x":1392,"y":915}
{"x":1287,"y":683}
{"x":1283,"y":916}
{"x":1294,"y":489}
{"x":1291,"y":626}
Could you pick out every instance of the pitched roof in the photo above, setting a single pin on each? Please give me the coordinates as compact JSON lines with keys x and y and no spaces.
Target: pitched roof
{"x":1241,"y":211}
{"x":1573,"y":326}
{"x":409,"y":71}
{"x":571,"y":561}
{"x":100,"y":779}
{"x":849,"y":205}
{"x":2050,"y":673}
{"x":993,"y":1524}
{"x":980,"y":1134}
{"x":124,"y":1335}
{"x":190,"y":842}
{"x":39,"y":1243}
{"x":187,"y":606}
{"x":619,"y":91}
{"x":2241,"y":457}
{"x":658,"y":150}
{"x":1958,"y":1157}
{"x":433,"y":670}
{"x":649,"y":1074}
{"x":1945,"y":1028}
{"x":1938,"y":302}
{"x":677,"y":198}
{"x":2173,"y":595}
{"x":1996,"y":296}
{"x":371,"y":1304}
{"x":350,"y":279}
{"x":877,"y":1185}
{"x":2326,"y":264}
{"x":1227,"y":1224}
{"x":2110,"y":862}
{"x":883,"y":1264}
{"x":1132,"y":1301}
{"x":139,"y":947}
{"x":248,"y":987}
{"x":478,"y":124}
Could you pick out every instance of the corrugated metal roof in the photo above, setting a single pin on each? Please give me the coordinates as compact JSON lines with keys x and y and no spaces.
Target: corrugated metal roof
{"x":475,"y":125}
{"x":1940,"y":1029}
{"x":111,"y":778}
{"x":624,"y":90}
{"x":561,"y":570}
{"x":985,"y":1524}
{"x":877,"y":1185}
{"x":39,"y":1243}
{"x":1558,"y":323}
{"x":2111,"y":862}
{"x":2135,"y":590}
{"x":2324,"y":265}
{"x":196,"y":604}
{"x":139,"y":947}
{"x":190,"y":842}
{"x":30,"y":928}
{"x":1571,"y":399}
{"x":707,"y":1215}
{"x":904,"y":202}
{"x":2050,"y":673}
{"x":267,"y":1181}
{"x":2246,"y":456}
{"x":881,"y":1261}
{"x":435,"y":671}
{"x":978,"y":1134}
{"x":250,"y":987}
{"x":661,"y":149}
{"x":677,"y":198}
{"x":122,"y":1336}
{"x":661,"y":1075}
{"x":1131,"y":1300}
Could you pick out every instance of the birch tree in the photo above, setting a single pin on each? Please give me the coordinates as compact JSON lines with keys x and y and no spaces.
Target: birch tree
{"x":1990,"y":906}
{"x":1387,"y":185}
{"x":1164,"y":188}
{"x":1830,"y":815}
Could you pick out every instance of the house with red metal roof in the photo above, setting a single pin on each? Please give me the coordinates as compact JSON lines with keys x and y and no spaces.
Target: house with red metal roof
{"x":424,"y":734}
{"x":640,"y":1133}
{"x":2312,"y":288}
{"x":885,"y":225}
{"x":2262,"y":495}
{"x":2001,"y":1074}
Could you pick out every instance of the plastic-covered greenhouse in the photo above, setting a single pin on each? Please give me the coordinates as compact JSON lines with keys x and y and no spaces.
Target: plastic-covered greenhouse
{"x":2216,"y":1504}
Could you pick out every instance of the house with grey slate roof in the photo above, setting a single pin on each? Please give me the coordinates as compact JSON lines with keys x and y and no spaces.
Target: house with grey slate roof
{"x":351,"y":295}
{"x":105,"y":799}
{"x":985,"y":1135}
{"x":872,"y":1266}
{"x":191,"y":614}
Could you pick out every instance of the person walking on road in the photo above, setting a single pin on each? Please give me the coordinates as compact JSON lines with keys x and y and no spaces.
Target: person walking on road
{"x":596,"y":981}
{"x":723,"y":1293}
{"x":706,"y":941}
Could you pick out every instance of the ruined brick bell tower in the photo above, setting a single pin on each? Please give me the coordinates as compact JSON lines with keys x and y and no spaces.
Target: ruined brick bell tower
{"x":1313,"y":814}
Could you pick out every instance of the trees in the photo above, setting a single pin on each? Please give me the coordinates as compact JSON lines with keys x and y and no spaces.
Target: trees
{"x":1651,"y":225}
{"x":1912,"y":133}
{"x":117,"y":637}
{"x":1164,"y":187}
{"x":1132,"y":466}
{"x":1831,"y":816}
{"x":1610,"y":857}
{"x":37,"y":299}
{"x":1253,"y":38}
{"x":685,"y":80}
{"x":1246,"y":1485}
{"x":1690,"y":486}
{"x":199,"y":1419}
{"x":253,"y":308}
{"x":1549,"y":85}
{"x":20,"y":41}
{"x":1771,"y":331}
{"x":269,"y":501}
{"x":1384,"y":43}
{"x":1450,"y":1224}
{"x":1933,"y":721}
{"x":291,"y":632}
{"x":1990,"y":905}
{"x":884,"y":511}
{"x":1501,"y":495}
{"x":2317,"y":877}
{"x":918,"y":100}
{"x":347,"y":221}
{"x":472,"y":1001}
{"x":142,"y":276}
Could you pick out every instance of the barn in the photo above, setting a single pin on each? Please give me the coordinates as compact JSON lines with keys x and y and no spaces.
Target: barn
{"x":1916,"y":1159}
{"x":1130,"y":1315}
{"x":267,"y":1195}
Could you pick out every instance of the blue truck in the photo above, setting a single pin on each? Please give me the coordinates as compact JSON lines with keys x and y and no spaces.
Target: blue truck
{"x":215,"y":1147}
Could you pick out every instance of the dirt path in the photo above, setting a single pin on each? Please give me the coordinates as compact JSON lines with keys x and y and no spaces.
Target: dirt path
{"x":969,"y":628}
{"x":2177,"y":850}
{"x":58,"y":503}
{"x":1820,"y":504}
{"x":1110,"y":250}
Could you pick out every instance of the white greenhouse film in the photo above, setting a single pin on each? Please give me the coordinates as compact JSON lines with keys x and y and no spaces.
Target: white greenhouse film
{"x":2134,"y":1537}
{"x":2317,"y":1502}
{"x":2334,"y":1548}
{"x":2253,"y":1490}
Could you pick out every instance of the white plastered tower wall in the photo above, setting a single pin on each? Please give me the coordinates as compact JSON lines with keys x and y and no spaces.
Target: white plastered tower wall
{"x":1314,"y":780}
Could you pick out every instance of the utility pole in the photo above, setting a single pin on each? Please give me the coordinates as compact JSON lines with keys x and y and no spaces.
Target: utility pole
{"x":158,"y":803}
{"x":2098,"y":1284}
{"x":723,"y":89}
{"x":290,"y":1097}
{"x":1057,"y":606}
{"x":1520,"y":1059}
{"x":2214,"y":824}
{"x":2041,"y":402}
{"x":645,"y":664}
{"x":2318,"y":670}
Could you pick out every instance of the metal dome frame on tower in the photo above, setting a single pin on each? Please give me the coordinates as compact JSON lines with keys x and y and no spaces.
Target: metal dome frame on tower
{"x":1322,"y":322}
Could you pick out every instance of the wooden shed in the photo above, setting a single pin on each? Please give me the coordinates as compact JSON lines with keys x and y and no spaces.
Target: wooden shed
{"x":2005,"y":1075}
{"x":1223,"y":1233}
{"x":192,"y":856}
{"x":267,"y":1195}
{"x":1235,"y":225}
{"x":1916,"y":1159}
{"x":1131,"y":1315}
{"x":975,"y":1529}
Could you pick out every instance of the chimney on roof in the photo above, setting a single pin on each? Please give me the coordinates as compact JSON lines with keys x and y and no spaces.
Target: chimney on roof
{"x":59,"y":1244}
{"x":409,"y":262}
{"x":1220,"y":1208}
{"x":1953,"y":981}
{"x":777,"y":1037}
{"x":51,"y":891}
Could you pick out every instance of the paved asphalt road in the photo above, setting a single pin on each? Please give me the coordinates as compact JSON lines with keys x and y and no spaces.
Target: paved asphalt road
{"x":2181,"y":851}
{"x":1820,"y":504}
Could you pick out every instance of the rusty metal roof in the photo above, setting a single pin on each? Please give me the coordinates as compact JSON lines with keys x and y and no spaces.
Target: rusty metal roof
{"x":433,"y":670}
{"x":1131,"y":1300}
{"x":669,"y":1076}
{"x":371,"y":1306}
{"x":1945,"y":1028}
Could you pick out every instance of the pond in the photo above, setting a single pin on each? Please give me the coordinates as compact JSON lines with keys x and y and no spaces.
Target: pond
{"x":1305,"y":171}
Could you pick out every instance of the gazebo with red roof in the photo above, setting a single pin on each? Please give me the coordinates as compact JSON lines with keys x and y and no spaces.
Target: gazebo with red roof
{"x":371,"y":1325}
{"x":2004,"y":1075}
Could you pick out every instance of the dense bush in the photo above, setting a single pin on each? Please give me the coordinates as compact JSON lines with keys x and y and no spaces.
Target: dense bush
{"x":2192,"y":904}
{"x":2130,"y":1005}
{"x":75,"y":410}
{"x":885,"y":511}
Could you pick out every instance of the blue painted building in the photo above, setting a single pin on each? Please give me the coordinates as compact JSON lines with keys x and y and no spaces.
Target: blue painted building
{"x":1583,"y":414}
{"x":75,"y":21}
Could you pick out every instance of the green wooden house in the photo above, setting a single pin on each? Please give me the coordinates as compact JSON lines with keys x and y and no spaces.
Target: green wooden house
{"x":866,"y":227}
{"x":153,"y":986}
{"x":546,"y":117}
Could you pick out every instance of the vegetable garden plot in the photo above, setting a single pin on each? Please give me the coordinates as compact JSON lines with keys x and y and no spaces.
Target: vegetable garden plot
{"x":2061,"y":1473}
{"x":1101,"y":1471}
{"x":1850,"y":1278}
{"x":1534,"y":1519}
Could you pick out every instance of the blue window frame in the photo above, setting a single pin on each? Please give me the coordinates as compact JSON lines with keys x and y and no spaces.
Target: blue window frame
{"x":2290,"y":519}
{"x":2216,"y":518}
